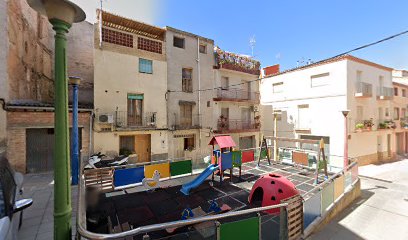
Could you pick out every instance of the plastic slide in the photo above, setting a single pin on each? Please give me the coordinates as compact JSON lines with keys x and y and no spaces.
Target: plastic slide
{"x":185,"y":189}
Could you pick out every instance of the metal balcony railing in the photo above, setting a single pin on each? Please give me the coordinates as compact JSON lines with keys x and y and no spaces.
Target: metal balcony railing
{"x":185,"y":122}
{"x":364,"y":89}
{"x":237,"y":95}
{"x":125,"y":119}
{"x":226,"y":125}
{"x":385,"y":93}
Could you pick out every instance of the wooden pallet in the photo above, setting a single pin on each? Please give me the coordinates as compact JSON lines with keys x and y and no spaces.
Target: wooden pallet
{"x":100,"y":178}
{"x":295,"y":216}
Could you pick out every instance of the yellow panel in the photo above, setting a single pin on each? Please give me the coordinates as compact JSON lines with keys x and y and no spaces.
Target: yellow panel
{"x":338,"y":186}
{"x":163,"y":168}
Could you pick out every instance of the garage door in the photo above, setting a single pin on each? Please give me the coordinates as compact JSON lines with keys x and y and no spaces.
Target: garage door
{"x":40,"y":149}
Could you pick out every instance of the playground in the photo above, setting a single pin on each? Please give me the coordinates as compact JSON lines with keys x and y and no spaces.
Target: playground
{"x":239,"y":189}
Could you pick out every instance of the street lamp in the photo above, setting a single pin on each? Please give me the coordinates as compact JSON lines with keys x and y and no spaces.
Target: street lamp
{"x":74,"y":81}
{"x":61,"y":14}
{"x":345,"y":113}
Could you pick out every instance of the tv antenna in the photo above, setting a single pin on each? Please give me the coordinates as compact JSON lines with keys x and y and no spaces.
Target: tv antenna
{"x":252,"y":43}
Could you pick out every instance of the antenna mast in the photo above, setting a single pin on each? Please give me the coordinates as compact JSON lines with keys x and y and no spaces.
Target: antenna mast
{"x":252,"y":43}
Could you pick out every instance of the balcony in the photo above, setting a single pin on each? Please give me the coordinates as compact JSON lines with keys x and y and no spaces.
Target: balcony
{"x":236,"y":95}
{"x":125,"y":119}
{"x":236,"y":62}
{"x":404,"y":123}
{"x":363,"y":90}
{"x":364,"y":125}
{"x":385,"y":93}
{"x":184,"y":123}
{"x":236,"y":125}
{"x":386,"y":124}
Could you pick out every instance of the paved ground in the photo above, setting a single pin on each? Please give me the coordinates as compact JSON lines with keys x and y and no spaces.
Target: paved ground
{"x":382,"y":210}
{"x":38,"y":219}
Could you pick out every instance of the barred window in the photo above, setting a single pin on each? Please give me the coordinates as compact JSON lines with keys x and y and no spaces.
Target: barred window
{"x":117,"y":38}
{"x":149,"y":45}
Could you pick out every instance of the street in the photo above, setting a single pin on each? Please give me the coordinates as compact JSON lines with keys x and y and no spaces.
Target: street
{"x":382,"y":210}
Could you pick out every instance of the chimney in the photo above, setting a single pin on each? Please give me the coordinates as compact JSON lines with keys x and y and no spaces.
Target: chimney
{"x":274,"y":69}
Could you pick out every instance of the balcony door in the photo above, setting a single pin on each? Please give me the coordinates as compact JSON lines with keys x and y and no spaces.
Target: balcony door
{"x":135,"y":109}
{"x":186,"y":115}
{"x":245,"y":118}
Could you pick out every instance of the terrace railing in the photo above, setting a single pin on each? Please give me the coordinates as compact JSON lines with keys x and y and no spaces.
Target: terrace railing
{"x":385,"y":93}
{"x":364,"y":89}
{"x":125,"y":119}
{"x":185,"y":122}
{"x":236,"y":95}
{"x":236,"y":125}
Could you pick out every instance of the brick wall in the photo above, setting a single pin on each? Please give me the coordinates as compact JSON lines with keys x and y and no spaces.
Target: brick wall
{"x":18,"y":122}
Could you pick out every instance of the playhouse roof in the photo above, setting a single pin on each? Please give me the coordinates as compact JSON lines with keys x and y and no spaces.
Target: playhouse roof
{"x":222,"y":141}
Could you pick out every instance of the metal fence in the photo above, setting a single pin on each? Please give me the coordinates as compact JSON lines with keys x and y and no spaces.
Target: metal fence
{"x":125,"y":119}
{"x":237,"y":94}
{"x":236,"y":124}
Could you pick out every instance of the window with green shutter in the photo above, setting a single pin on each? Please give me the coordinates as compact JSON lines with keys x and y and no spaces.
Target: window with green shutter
{"x":145,"y":66}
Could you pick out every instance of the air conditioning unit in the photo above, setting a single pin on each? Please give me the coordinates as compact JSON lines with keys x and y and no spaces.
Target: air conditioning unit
{"x":105,"y":118}
{"x":255,"y":108}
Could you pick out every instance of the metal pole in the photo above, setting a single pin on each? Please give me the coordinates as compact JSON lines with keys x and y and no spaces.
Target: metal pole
{"x":62,"y":189}
{"x":75,"y":136}
{"x":345,"y":113}
{"x":275,"y":134}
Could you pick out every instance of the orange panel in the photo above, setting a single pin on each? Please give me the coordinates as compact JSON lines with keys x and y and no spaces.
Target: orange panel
{"x":338,"y":186}
{"x":163,"y":168}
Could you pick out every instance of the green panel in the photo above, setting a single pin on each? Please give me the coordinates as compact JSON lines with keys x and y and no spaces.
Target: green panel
{"x":263,"y":154}
{"x":327,"y":196}
{"x":240,"y":230}
{"x":181,"y":167}
{"x":135,"y":96}
{"x":236,"y":158}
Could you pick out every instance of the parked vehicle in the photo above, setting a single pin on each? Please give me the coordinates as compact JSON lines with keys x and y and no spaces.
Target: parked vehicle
{"x":11,"y":209}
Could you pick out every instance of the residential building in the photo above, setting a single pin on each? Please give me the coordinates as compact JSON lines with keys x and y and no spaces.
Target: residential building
{"x":400,"y":117}
{"x":312,"y":97}
{"x":130,"y":88}
{"x":190,"y":62}
{"x":27,"y":85}
{"x":235,"y":102}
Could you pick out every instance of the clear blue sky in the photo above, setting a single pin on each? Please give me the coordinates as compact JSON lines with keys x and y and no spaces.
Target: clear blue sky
{"x":315,"y":29}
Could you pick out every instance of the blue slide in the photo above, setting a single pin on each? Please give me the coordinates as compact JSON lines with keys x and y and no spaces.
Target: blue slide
{"x":185,"y":189}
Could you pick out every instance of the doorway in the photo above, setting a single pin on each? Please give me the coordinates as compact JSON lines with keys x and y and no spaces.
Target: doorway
{"x":143,"y":147}
{"x":379,"y":147}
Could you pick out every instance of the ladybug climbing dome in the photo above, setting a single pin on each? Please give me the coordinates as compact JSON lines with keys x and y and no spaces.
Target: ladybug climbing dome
{"x":271,"y":189}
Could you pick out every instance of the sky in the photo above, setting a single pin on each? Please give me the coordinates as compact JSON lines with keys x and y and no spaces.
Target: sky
{"x":285,"y":31}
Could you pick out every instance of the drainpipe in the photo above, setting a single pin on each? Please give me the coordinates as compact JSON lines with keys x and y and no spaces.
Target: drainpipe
{"x":74,"y":81}
{"x":199,"y":92}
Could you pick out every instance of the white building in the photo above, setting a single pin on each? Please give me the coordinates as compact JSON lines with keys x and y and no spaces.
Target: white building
{"x":311,"y":99}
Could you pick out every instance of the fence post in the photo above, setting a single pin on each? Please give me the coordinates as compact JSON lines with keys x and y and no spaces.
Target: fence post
{"x":283,"y":226}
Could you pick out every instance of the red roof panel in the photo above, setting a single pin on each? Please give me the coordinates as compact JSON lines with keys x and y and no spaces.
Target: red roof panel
{"x":223,"y":141}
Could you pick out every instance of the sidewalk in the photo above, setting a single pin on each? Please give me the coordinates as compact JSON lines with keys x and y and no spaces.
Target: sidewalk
{"x":382,"y":210}
{"x":38,"y":220}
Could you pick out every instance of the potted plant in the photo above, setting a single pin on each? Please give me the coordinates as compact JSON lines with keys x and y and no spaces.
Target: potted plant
{"x":222,"y":122}
{"x":257,"y":121}
{"x":368,"y":124}
{"x":382,"y":126}
{"x":359,"y":127}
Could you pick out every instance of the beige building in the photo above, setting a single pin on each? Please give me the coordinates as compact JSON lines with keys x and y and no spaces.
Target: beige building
{"x":400,"y":117}
{"x":235,"y":99}
{"x":311,"y":99}
{"x":190,"y":62}
{"x":130,"y":88}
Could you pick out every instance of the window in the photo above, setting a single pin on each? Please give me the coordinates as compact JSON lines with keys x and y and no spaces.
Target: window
{"x":117,"y":38}
{"x":145,"y":66}
{"x":186,"y":115}
{"x":303,"y":117}
{"x":359,"y":76}
{"x":360,"y":113}
{"x":178,"y":42}
{"x":189,"y":143}
{"x":404,"y":93}
{"x":395,"y":91}
{"x":187,"y":80}
{"x":319,"y":80}
{"x":396,"y":113}
{"x":403,"y":112}
{"x":149,"y":45}
{"x":203,"y":48}
{"x":387,"y":112}
{"x":126,"y":144}
{"x":224,"y":83}
{"x":134,"y":109}
{"x":277,"y":87}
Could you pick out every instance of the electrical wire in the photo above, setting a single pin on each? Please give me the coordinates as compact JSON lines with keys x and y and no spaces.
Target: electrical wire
{"x":324,"y":60}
